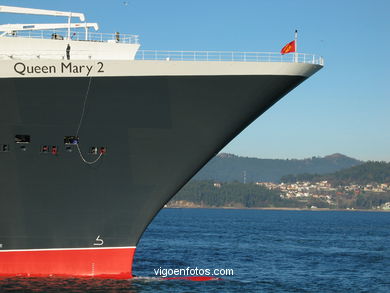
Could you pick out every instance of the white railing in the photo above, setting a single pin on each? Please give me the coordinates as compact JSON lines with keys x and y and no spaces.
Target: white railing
{"x":173,"y":56}
{"x":76,"y":35}
{"x":228,"y":56}
{"x":47,"y":55}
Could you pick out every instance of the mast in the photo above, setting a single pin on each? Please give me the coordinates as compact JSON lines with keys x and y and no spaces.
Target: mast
{"x":296,"y":46}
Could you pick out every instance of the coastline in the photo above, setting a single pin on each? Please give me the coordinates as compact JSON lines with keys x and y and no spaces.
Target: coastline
{"x":194,"y":206}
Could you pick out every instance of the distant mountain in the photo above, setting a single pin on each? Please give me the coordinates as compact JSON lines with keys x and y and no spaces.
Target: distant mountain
{"x":367,"y":173}
{"x":228,"y":167}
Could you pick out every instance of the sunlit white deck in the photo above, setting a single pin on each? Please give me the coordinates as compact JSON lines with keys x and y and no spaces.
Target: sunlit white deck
{"x":74,"y":41}
{"x":108,"y":48}
{"x":228,"y":56}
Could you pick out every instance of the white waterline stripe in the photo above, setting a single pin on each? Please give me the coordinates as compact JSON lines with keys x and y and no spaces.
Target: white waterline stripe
{"x":55,"y":249}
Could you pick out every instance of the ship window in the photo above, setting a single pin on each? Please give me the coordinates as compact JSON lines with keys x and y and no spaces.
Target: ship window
{"x":22,"y":138}
{"x":70,"y":140}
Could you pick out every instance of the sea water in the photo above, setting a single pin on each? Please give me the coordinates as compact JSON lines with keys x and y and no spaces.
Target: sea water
{"x":262,"y":250}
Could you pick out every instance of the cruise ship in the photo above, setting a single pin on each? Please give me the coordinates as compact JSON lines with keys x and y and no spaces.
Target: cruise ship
{"x":96,"y":136}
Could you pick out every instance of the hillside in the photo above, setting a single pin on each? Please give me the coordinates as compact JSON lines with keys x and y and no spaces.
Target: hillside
{"x":233,"y":194}
{"x":229,"y":168}
{"x":365,"y":186}
{"x":367,"y":173}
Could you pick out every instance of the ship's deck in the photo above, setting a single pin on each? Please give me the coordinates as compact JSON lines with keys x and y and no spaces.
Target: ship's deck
{"x":94,"y":39}
{"x":75,"y":35}
{"x":228,"y":56}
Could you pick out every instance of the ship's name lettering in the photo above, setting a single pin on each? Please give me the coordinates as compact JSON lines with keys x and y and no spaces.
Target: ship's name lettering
{"x":64,"y":67}
{"x":24,"y":69}
{"x":71,"y":68}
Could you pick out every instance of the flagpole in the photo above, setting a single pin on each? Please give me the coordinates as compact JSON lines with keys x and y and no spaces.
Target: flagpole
{"x":296,"y":45}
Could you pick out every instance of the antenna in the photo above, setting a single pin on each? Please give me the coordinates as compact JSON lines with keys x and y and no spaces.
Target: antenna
{"x":296,"y":45}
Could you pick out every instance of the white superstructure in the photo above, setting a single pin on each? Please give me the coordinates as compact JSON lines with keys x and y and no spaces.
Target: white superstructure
{"x":70,"y":49}
{"x":61,"y":41}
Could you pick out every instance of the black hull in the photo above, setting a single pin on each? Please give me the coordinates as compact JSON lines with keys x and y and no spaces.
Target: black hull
{"x":158,"y":132}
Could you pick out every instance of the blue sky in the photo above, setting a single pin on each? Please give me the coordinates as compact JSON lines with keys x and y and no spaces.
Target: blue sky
{"x":344,"y":108}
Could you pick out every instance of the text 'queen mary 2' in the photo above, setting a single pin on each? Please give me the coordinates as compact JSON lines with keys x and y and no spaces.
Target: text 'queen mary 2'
{"x":96,"y":136}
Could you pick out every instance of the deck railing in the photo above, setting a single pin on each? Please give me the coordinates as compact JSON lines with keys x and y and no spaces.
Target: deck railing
{"x":76,"y":35}
{"x":173,"y":56}
{"x":228,"y":56}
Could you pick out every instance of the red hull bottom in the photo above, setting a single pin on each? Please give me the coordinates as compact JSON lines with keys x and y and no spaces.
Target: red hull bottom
{"x":110,"y":263}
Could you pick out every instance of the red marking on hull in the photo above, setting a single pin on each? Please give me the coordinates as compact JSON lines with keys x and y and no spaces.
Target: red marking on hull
{"x":111,"y":263}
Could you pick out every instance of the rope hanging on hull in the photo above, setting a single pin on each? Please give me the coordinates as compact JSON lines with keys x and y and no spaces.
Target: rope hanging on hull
{"x":79,"y":126}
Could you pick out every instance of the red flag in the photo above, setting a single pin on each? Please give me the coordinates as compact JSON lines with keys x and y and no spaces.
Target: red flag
{"x":289,"y":48}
